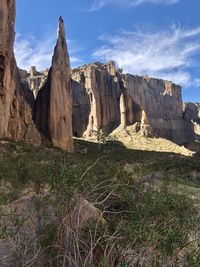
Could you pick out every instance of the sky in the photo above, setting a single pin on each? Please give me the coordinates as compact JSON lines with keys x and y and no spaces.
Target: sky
{"x":158,"y":38}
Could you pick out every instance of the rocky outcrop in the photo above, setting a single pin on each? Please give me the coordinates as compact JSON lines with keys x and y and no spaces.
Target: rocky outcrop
{"x":191,"y":114}
{"x":34,"y":79}
{"x":155,"y":106}
{"x":81,"y":108}
{"x":103,"y":88}
{"x":15,"y":101}
{"x":53,"y":106}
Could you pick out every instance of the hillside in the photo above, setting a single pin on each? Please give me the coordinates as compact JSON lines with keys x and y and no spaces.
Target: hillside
{"x":104,"y":205}
{"x":134,"y":140}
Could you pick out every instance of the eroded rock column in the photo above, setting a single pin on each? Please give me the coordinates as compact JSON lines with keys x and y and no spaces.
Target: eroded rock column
{"x":16,"y":102}
{"x":53,"y":107}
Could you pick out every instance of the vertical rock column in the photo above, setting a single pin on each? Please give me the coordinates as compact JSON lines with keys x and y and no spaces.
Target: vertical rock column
{"x":53,"y":107}
{"x":7,"y":64}
{"x":15,"y":101}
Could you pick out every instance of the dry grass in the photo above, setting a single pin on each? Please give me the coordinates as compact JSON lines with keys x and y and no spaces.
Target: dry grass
{"x":133,"y":140}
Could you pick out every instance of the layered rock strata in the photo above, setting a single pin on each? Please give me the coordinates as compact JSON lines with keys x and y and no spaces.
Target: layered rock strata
{"x":16,"y":102}
{"x":53,"y":105}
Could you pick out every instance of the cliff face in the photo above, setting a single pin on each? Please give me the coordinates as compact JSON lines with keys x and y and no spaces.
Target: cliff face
{"x":15,"y":101}
{"x":104,"y":99}
{"x":53,"y":106}
{"x":153,"y":106}
{"x":81,"y":108}
{"x":191,"y":114}
{"x":156,"y":106}
{"x":103,"y":88}
{"x":34,"y":79}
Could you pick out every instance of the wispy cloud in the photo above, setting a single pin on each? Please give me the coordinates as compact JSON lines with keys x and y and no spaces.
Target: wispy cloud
{"x":99,"y":4}
{"x":168,"y":55}
{"x":30,"y":51}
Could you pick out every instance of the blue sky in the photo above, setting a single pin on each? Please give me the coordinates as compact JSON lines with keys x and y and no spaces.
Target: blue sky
{"x":160,"y":38}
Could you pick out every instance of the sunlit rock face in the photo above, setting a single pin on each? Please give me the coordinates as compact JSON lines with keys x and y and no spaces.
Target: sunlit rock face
{"x":53,"y":106}
{"x":92,"y":98}
{"x":102,"y":85}
{"x":16,"y":102}
{"x":157,"y":106}
{"x":33,"y":79}
{"x":153,"y":106}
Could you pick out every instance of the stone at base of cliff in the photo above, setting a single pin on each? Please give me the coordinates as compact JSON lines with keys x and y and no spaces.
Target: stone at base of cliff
{"x":32,"y":135}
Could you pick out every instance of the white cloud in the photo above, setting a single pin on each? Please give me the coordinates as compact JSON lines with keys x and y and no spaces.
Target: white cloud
{"x":167,"y":55}
{"x":32,"y":52}
{"x":99,"y":4}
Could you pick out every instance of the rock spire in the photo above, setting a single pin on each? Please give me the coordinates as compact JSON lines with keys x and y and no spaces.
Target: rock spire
{"x":53,"y":107}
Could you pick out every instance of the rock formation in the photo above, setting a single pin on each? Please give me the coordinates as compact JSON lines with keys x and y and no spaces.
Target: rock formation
{"x":34,"y":79}
{"x":92,"y":98}
{"x":155,"y":106}
{"x":104,"y":98}
{"x":15,"y":101}
{"x":191,"y":114}
{"x":103,"y":87}
{"x":81,"y":108}
{"x":53,"y":106}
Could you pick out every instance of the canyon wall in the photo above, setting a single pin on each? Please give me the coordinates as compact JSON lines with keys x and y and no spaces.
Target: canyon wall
{"x":153,"y":106}
{"x":103,"y":88}
{"x":16,"y":102}
{"x":34,"y":79}
{"x":89,"y":99}
{"x":191,"y":114}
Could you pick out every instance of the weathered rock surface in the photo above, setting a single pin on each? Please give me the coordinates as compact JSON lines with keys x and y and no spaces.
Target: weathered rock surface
{"x":15,"y":101}
{"x":92,"y":98}
{"x":53,"y":106}
{"x":191,"y":114}
{"x":81,"y":108}
{"x":103,"y":88}
{"x":34,"y":79}
{"x":155,"y":106}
